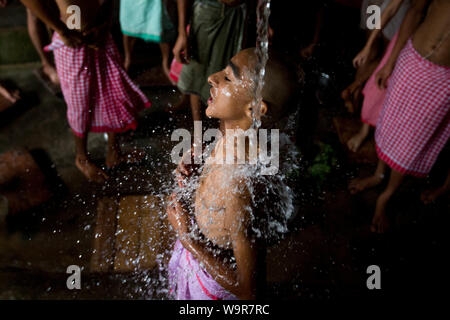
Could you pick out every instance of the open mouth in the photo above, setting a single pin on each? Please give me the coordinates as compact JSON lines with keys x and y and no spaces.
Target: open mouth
{"x":211,"y":96}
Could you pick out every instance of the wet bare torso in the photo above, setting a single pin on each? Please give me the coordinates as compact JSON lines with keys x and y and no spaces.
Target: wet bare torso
{"x":89,"y":11}
{"x":432,"y":38}
{"x":217,"y":186}
{"x":210,"y":205}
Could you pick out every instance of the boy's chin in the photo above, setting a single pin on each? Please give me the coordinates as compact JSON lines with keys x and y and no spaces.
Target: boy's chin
{"x":210,"y":112}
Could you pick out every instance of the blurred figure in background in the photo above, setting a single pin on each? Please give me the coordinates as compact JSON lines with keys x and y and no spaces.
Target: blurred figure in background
{"x":100,"y":96}
{"x":352,"y":94}
{"x":147,"y":20}
{"x":39,"y":35}
{"x":216,"y":34}
{"x":391,"y":20}
{"x":414,"y":123}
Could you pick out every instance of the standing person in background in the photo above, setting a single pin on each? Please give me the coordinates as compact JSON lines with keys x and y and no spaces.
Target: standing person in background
{"x":147,"y":20}
{"x":414,"y":124}
{"x":352,"y":93}
{"x":39,"y":36}
{"x":216,"y":34}
{"x":391,"y":20}
{"x":100,"y":96}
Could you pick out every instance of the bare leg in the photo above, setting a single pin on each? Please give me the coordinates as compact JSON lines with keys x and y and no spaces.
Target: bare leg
{"x":380,"y":222}
{"x":84,"y":164}
{"x":39,"y":36}
{"x":196,"y":107}
{"x":355,"y":142}
{"x":165,"y":52}
{"x":114,"y":155}
{"x":352,"y":94}
{"x":430,"y":196}
{"x":359,"y":184}
{"x":128,"y":45}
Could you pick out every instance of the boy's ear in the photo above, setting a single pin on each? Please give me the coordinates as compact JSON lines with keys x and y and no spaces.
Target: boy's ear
{"x":263,"y":110}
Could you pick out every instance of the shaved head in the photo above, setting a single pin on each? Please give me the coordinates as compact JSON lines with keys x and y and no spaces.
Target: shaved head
{"x":281,"y":85}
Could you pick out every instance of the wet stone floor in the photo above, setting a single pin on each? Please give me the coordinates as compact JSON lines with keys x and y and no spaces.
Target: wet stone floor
{"x":324,"y":256}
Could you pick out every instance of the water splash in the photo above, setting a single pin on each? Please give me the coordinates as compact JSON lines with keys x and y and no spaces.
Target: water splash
{"x":262,"y":54}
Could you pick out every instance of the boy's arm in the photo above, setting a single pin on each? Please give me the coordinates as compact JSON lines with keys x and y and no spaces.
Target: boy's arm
{"x":409,"y":25}
{"x":386,"y":16}
{"x":245,"y":250}
{"x":182,"y":40}
{"x":43,"y":13}
{"x":52,"y":19}
{"x":240,"y":282}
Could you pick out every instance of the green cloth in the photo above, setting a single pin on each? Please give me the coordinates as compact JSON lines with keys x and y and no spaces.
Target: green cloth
{"x":216,"y":35}
{"x":147,"y":20}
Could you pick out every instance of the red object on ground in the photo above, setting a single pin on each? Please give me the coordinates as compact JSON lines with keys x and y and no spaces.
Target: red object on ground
{"x":175,"y":70}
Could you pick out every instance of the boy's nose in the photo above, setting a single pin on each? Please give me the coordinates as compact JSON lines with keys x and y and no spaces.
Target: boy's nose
{"x":212,"y":79}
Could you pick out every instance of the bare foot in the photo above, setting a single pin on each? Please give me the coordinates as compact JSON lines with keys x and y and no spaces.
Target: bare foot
{"x":90,"y":170}
{"x":114,"y":157}
{"x":51,"y":73}
{"x":355,"y":142}
{"x":430,"y":196}
{"x":380,"y":222}
{"x":360,"y":184}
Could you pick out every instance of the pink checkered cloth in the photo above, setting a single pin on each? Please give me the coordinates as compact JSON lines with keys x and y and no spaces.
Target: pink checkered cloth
{"x":374,"y":96}
{"x":99,"y":94}
{"x":414,"y":124}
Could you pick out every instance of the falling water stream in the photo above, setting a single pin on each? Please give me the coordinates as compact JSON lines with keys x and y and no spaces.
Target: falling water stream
{"x":262,"y":53}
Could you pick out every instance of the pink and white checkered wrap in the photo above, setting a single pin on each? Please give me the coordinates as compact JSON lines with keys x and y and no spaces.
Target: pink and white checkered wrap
{"x":99,"y":94}
{"x":414,"y":124}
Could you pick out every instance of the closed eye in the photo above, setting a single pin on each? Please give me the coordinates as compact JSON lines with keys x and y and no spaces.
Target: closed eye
{"x":227,"y":79}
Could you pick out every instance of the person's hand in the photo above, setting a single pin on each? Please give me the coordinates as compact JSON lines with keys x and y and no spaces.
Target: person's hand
{"x":308,"y":51}
{"x":382,"y":77}
{"x":186,"y":168}
{"x":96,"y":36}
{"x":177,"y":216}
{"x":361,"y":57}
{"x":71,"y":38}
{"x":180,"y":50}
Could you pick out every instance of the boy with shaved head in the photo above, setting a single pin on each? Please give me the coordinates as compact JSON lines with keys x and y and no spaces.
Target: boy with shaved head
{"x":219,"y":253}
